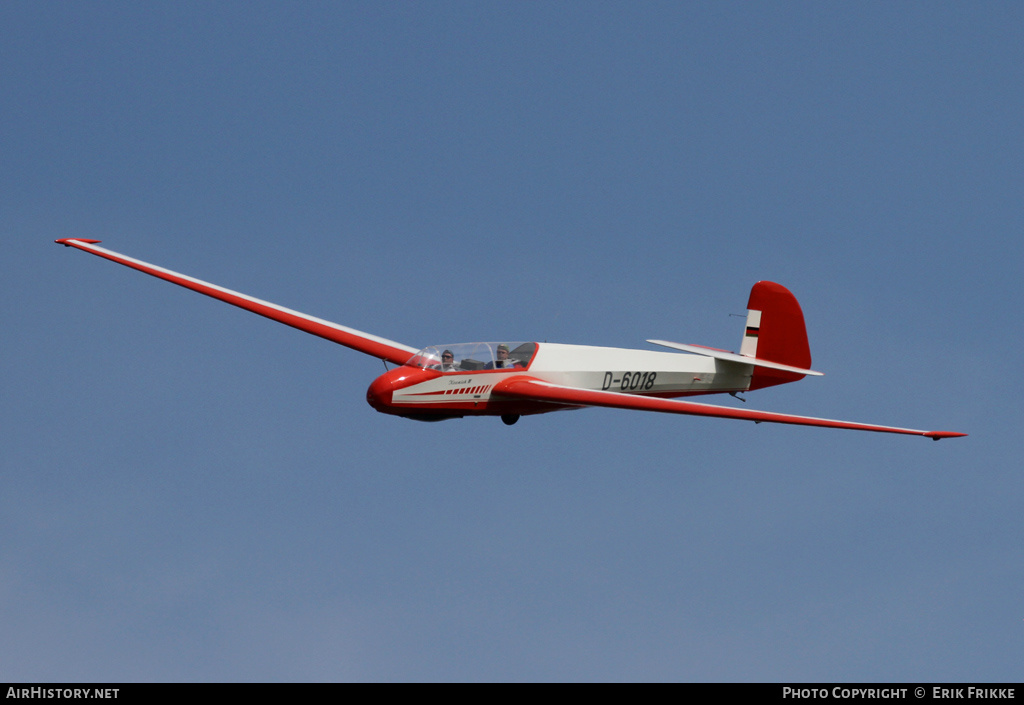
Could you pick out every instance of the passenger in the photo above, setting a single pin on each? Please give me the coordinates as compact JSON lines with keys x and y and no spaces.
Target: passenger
{"x":503,"y":361}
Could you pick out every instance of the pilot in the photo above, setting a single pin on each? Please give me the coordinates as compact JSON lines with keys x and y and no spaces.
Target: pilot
{"x":448,"y":363}
{"x":503,"y":361}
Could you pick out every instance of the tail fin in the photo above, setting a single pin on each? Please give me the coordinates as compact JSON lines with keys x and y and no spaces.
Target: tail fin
{"x":775,"y":332}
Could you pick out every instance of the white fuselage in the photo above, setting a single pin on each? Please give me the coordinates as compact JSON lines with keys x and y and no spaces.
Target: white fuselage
{"x":646,"y":372}
{"x":638,"y":371}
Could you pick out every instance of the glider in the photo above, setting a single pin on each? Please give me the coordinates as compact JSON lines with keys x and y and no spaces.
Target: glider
{"x":522,"y":378}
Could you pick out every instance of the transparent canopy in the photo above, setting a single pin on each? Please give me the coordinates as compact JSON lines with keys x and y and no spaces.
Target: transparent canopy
{"x":470,"y":357}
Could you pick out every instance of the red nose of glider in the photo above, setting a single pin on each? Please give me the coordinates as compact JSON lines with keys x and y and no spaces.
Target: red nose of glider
{"x":379,"y":394}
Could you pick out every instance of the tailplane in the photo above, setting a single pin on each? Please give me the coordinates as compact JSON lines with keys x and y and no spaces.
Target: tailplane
{"x":775,"y":332}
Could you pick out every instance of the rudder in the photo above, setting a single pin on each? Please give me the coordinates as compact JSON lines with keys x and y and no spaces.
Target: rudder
{"x":775,"y":332}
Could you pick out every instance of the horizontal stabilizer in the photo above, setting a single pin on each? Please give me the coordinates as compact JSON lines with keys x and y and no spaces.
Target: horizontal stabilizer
{"x":733,"y":357}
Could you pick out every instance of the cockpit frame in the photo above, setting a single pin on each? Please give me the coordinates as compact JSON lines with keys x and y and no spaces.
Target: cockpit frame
{"x":462,"y":358}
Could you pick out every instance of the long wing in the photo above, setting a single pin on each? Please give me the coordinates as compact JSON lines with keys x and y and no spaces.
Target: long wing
{"x":349,"y":337}
{"x":526,"y":387}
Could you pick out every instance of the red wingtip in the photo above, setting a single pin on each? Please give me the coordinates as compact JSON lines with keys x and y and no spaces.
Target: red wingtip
{"x":66,"y":241}
{"x":939,"y":435}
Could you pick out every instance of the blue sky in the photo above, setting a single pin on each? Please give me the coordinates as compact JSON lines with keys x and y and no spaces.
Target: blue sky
{"x":191,"y":492}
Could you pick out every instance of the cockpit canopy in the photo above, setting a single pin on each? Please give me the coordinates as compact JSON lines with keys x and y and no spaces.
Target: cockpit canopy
{"x":470,"y":357}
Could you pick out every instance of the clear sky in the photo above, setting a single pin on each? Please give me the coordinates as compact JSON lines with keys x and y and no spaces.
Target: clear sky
{"x":192,"y":492}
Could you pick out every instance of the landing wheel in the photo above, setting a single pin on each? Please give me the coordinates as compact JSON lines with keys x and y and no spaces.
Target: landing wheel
{"x":509,"y":419}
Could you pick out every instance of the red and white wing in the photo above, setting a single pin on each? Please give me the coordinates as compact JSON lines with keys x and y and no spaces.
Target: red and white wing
{"x":349,"y":337}
{"x":526,"y":387}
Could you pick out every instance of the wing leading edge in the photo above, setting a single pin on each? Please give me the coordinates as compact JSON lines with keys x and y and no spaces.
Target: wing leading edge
{"x":349,"y":337}
{"x":525,"y":387}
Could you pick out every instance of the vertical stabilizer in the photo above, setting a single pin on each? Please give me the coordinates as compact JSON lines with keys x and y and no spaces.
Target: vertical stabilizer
{"x":751,"y":333}
{"x":775,"y":332}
